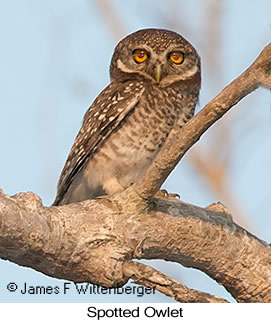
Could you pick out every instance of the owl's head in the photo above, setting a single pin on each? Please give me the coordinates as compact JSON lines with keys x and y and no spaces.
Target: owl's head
{"x":156,"y":55}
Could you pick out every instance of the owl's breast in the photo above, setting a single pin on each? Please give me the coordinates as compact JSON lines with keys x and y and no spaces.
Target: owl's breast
{"x":131,"y":149}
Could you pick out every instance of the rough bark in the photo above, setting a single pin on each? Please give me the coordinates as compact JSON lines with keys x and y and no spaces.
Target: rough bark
{"x":96,"y":241}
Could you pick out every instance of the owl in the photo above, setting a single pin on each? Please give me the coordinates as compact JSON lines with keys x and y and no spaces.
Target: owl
{"x":155,"y":82}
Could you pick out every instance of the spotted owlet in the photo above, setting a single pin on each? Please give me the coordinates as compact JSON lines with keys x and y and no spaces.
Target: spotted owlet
{"x":155,"y":82}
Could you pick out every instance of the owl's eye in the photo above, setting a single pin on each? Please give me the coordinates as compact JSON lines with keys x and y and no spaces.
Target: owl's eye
{"x":140,"y":55}
{"x":176,"y":57}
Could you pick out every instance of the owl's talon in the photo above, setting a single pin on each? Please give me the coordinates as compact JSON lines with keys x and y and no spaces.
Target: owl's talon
{"x":164,"y":194}
{"x":174,"y":195}
{"x":161,"y":193}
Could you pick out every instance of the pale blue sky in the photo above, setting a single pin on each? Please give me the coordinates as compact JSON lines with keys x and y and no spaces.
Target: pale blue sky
{"x":54,"y":61}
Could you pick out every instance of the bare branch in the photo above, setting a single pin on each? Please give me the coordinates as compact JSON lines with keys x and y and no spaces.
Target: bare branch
{"x":147,"y":276}
{"x":179,"y":141}
{"x":90,"y":241}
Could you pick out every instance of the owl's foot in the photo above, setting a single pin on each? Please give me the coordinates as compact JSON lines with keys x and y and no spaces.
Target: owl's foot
{"x":164,"y":194}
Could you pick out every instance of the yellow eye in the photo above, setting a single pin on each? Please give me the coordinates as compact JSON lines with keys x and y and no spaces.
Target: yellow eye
{"x":176,"y":57}
{"x":140,"y":55}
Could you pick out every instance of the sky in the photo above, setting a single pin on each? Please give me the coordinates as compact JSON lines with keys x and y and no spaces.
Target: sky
{"x":54,"y":60}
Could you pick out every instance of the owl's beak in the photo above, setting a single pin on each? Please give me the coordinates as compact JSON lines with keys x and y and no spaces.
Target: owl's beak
{"x":158,"y":73}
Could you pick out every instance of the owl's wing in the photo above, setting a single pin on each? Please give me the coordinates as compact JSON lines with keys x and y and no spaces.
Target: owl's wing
{"x":104,"y":116}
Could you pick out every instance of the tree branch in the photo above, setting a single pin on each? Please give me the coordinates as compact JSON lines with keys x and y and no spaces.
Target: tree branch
{"x":91,"y":241}
{"x":180,"y":140}
{"x":149,"y":277}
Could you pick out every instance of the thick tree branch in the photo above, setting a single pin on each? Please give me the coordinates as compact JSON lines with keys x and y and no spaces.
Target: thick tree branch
{"x":91,"y":241}
{"x":147,"y":276}
{"x":180,"y":140}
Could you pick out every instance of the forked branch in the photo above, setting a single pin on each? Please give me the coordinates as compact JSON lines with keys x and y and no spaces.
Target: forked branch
{"x":95,"y":241}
